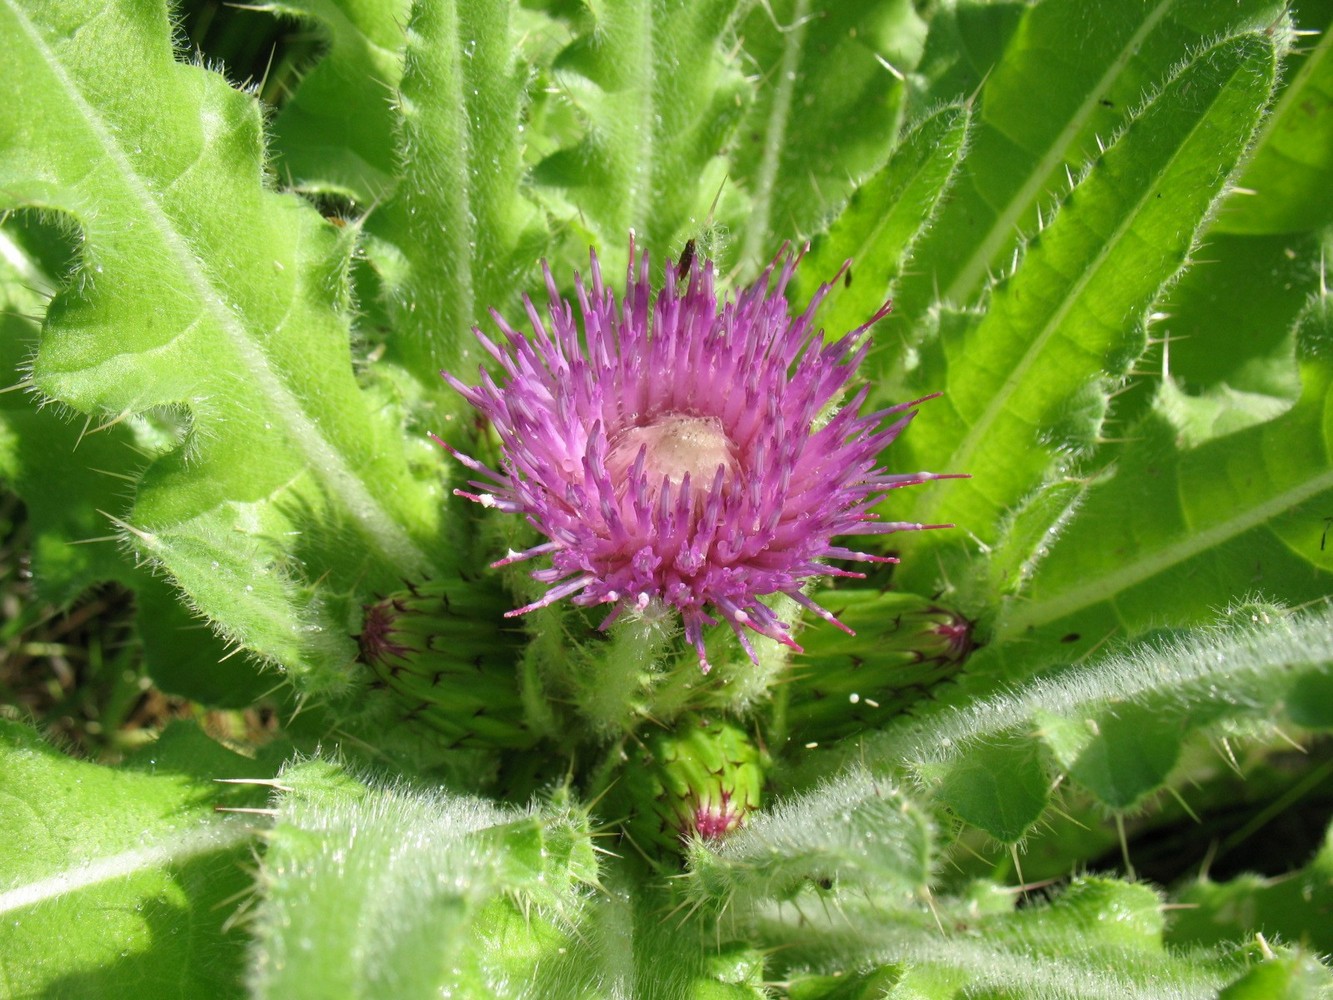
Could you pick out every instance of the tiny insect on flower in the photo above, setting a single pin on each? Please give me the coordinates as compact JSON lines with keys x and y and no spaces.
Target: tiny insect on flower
{"x":685,"y":454}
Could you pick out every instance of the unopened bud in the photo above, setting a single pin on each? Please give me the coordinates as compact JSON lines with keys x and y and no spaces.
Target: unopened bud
{"x":446,"y":654}
{"x":904,"y":645}
{"x":702,"y":780}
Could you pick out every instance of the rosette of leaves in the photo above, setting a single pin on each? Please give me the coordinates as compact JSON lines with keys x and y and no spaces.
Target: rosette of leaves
{"x":1104,"y":229}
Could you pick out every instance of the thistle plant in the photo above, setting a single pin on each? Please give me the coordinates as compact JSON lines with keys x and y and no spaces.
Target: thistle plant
{"x":613,"y":663}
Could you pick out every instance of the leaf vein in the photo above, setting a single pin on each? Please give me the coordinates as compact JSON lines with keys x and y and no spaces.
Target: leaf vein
{"x":343,"y":482}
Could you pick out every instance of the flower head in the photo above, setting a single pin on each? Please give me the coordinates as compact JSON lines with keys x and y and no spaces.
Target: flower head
{"x":681,"y":454}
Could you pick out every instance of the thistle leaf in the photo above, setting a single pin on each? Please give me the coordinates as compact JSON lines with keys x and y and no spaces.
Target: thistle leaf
{"x":373,"y":890}
{"x":67,"y":470}
{"x":1020,"y":379}
{"x":1087,"y":69}
{"x":335,"y":134}
{"x":829,"y":104}
{"x":1288,"y":908}
{"x":458,"y":218}
{"x":138,"y":845}
{"x":656,"y":99}
{"x":1288,"y":184}
{"x":884,"y":218}
{"x":1166,"y":515}
{"x":1098,"y":938}
{"x":1229,"y":325}
{"x":992,"y":750}
{"x":233,"y":318}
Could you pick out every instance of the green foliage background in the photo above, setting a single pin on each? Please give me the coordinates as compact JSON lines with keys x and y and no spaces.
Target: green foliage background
{"x":1105,"y":230}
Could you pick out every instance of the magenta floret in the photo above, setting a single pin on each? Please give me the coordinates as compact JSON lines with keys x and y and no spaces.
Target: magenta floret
{"x":682,"y":454}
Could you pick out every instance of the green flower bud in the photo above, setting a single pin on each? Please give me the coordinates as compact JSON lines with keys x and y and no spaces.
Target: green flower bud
{"x":445,"y":653}
{"x":699,"y":780}
{"x":904,"y":645}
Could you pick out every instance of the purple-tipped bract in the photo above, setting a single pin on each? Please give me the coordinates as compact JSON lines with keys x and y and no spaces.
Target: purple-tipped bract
{"x":684,"y":455}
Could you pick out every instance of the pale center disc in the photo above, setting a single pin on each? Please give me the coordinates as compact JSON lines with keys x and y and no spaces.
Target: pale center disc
{"x":676,"y":444}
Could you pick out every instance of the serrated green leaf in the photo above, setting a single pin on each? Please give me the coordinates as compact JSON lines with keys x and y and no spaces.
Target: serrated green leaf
{"x":67,"y":471}
{"x":883,"y":218}
{"x":1287,"y":186}
{"x":1293,"y":976}
{"x":373,"y":890}
{"x":827,"y":111}
{"x":1289,"y":908}
{"x":1216,"y":412}
{"x":72,"y":477}
{"x":1310,"y":702}
{"x":1086,"y":68}
{"x":1001,"y":788}
{"x":519,"y":953}
{"x":874,"y":985}
{"x":336,"y":132}
{"x":186,"y":658}
{"x":1172,"y":532}
{"x":139,"y":847}
{"x":1098,"y":938}
{"x":1121,"y":754}
{"x":458,"y":219}
{"x":1020,"y":379}
{"x":1028,"y":531}
{"x":656,"y":97}
{"x":1229,"y":321}
{"x":967,"y":39}
{"x":983,"y":754}
{"x":286,"y":476}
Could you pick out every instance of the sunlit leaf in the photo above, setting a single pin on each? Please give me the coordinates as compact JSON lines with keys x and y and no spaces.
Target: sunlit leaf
{"x":141,"y":848}
{"x":1242,"y":513}
{"x":826,"y":113}
{"x":336,"y":133}
{"x":1021,"y":378}
{"x":656,"y":94}
{"x":234,"y":319}
{"x":1288,"y":185}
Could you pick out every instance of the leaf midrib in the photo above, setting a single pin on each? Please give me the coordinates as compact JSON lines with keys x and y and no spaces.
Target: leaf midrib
{"x":173,"y":850}
{"x":975,"y":267}
{"x":1134,"y":572}
{"x":1016,"y":377}
{"x":462,"y":221}
{"x":327,"y":462}
{"x":775,"y":133}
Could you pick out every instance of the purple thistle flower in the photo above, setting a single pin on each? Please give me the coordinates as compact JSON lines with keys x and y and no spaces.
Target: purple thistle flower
{"x":677,"y":454}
